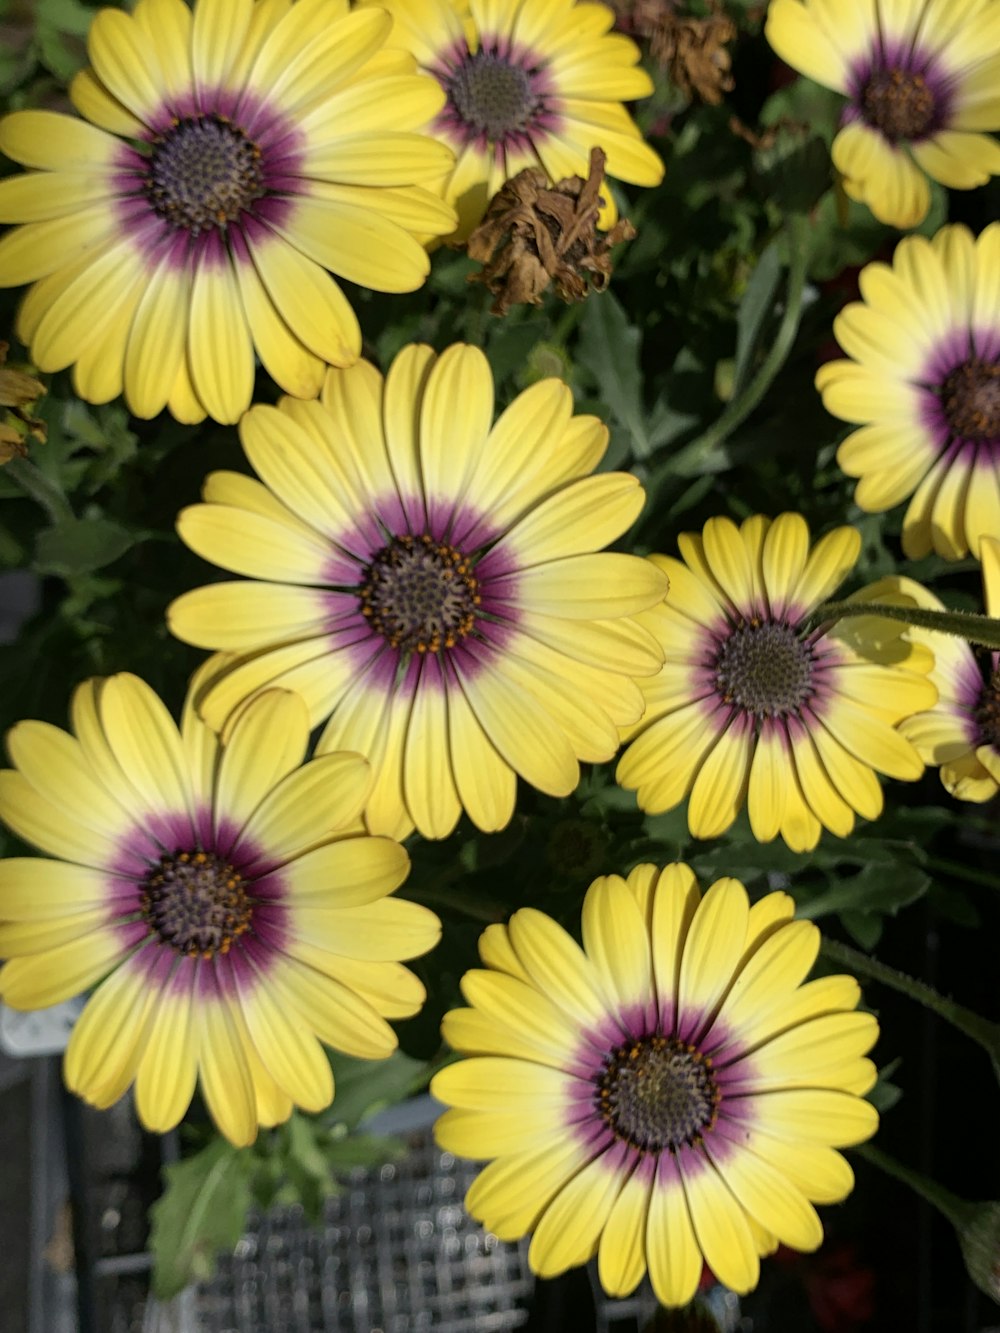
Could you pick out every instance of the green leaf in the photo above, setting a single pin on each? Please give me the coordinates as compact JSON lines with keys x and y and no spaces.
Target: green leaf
{"x":364,"y":1150}
{"x":609,"y":348}
{"x":875,"y":889}
{"x":202,"y":1211}
{"x":66,"y":16}
{"x":758,"y":302}
{"x":80,"y":545}
{"x":366,"y":1086}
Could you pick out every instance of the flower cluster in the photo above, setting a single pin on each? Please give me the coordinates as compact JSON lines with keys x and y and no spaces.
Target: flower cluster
{"x":429,"y":631}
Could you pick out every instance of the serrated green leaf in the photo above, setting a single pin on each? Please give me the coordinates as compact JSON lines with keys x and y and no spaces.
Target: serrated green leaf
{"x":81,"y":545}
{"x":609,"y":348}
{"x":201,"y":1212}
{"x":875,"y":889}
{"x":366,"y":1086}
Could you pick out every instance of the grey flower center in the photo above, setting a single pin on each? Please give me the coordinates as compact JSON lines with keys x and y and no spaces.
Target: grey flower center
{"x":203,"y":173}
{"x":420,"y":595}
{"x":657,"y":1093}
{"x":988,"y":712}
{"x":970,"y":397}
{"x":765,"y":669}
{"x":197,"y":903}
{"x":899,"y":103}
{"x":492,"y":96}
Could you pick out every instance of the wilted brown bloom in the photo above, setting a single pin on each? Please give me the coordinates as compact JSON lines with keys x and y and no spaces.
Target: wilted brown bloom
{"x":692,"y":51}
{"x":535,"y":235}
{"x":19,"y":391}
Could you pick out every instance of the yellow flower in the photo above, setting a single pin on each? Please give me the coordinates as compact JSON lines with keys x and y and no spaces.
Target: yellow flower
{"x":230,"y":155}
{"x":961,"y":733}
{"x":224,"y":898}
{"x":925,"y":378}
{"x":753,"y":706}
{"x":527,"y":85}
{"x":922,"y":79}
{"x":431,"y":582}
{"x":669,"y":1094}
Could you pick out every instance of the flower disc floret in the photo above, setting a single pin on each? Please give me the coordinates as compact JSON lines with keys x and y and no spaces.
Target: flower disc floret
{"x":432,"y":582}
{"x":920,"y":80}
{"x":203,"y":172}
{"x":669,"y":1095}
{"x":765,"y":669}
{"x":419,"y":594}
{"x":217,"y":896}
{"x":232,"y":156}
{"x":757,"y":704}
{"x":657,"y":1094}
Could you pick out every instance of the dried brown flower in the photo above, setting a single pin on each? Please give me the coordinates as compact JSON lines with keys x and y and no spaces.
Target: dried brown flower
{"x":693,"y":51}
{"x":536,"y":234}
{"x":19,"y":392}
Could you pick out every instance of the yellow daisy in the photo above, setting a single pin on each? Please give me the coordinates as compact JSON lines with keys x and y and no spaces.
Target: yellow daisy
{"x":431,"y":583}
{"x":527,"y":85}
{"x":669,"y":1094}
{"x":752,"y":706}
{"x":925,"y":380}
{"x":962,"y":732}
{"x":922,"y":79}
{"x":222,"y":897}
{"x":230,"y":155}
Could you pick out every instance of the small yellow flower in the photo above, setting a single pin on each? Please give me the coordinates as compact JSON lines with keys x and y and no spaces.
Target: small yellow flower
{"x":230,"y":155}
{"x":527,"y":84}
{"x":924,"y":380}
{"x":961,"y":733}
{"x":753,"y":706}
{"x":216,"y":892}
{"x":433,"y":583}
{"x":922,"y":79}
{"x":667,"y":1096}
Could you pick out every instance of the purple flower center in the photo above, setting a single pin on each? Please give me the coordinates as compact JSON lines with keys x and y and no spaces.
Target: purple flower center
{"x":197,"y":903}
{"x":203,"y":173}
{"x":492,"y":95}
{"x":420,"y":594}
{"x":970,"y":399}
{"x":764,"y":669}
{"x":657,"y":1093}
{"x":988,"y":712}
{"x":900,"y":103}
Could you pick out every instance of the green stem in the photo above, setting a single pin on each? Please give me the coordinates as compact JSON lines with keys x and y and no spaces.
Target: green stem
{"x":956,"y":1210}
{"x":36,"y":485}
{"x":689,"y":460}
{"x":961,"y":871}
{"x":476,"y":909}
{"x":980,"y":1030}
{"x":962,"y":624}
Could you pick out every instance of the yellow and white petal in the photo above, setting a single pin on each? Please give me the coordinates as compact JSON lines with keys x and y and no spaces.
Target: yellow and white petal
{"x":348,"y":873}
{"x":621,"y":1258}
{"x":220,"y":350}
{"x":167,"y":1073}
{"x":672,"y":1250}
{"x":108,"y":1039}
{"x":509,"y":1195}
{"x":39,"y":980}
{"x":720,"y":1226}
{"x":567,"y":1232}
{"x":324,"y":794}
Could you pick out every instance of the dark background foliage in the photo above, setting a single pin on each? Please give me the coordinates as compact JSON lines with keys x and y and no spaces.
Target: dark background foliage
{"x":701,"y":359}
